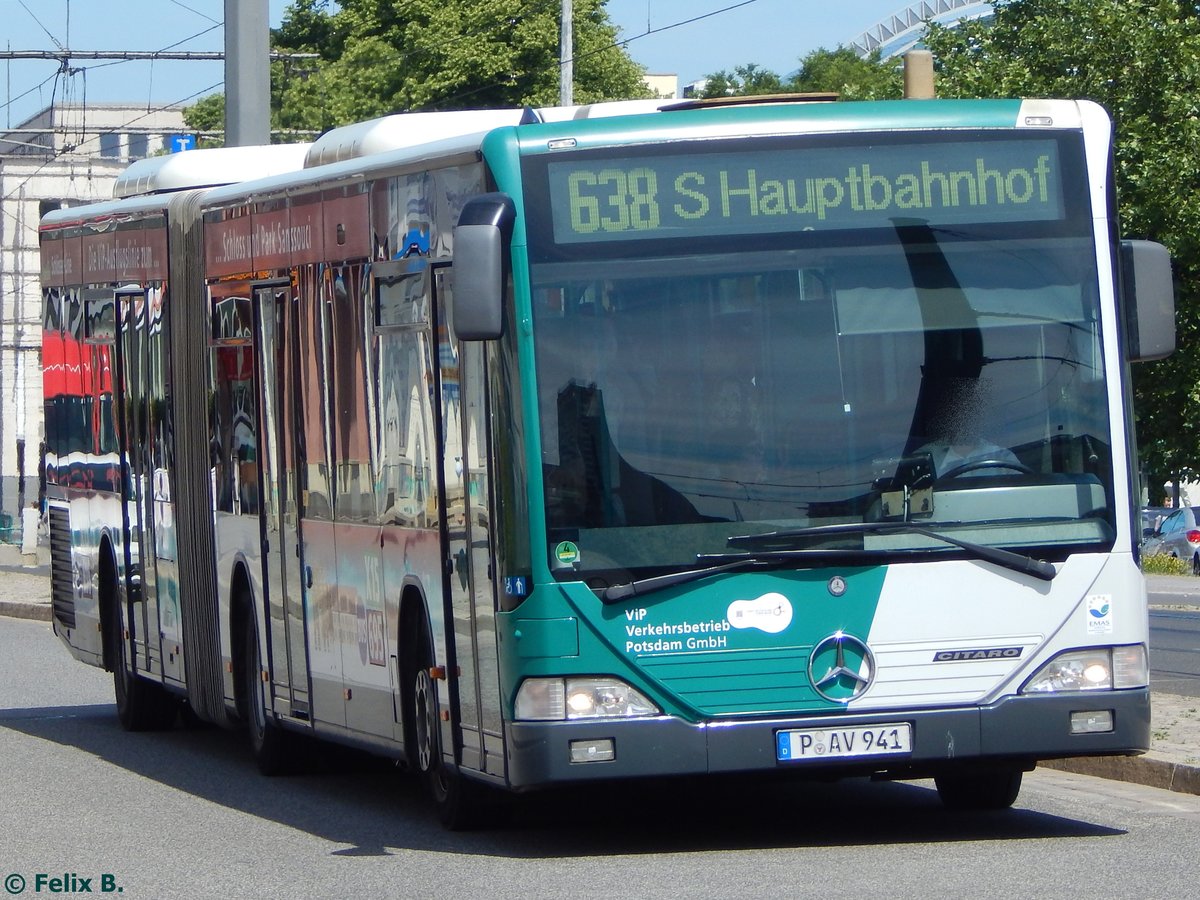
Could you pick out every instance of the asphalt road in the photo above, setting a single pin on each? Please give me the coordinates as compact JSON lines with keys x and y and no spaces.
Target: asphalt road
{"x":185,"y":814}
{"x":1175,"y":634}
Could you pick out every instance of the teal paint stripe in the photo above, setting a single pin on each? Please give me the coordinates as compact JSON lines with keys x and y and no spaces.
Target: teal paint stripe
{"x":850,"y":116}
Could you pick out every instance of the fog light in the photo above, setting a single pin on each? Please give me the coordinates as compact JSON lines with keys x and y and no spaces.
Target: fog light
{"x":1091,"y":721}
{"x":601,"y":750}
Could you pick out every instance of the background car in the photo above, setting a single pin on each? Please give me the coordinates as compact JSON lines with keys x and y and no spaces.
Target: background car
{"x":1178,"y":535}
{"x":1152,"y":517}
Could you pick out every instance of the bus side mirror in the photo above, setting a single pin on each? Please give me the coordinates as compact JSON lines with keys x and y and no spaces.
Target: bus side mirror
{"x":481,"y":241}
{"x":1148,"y":297}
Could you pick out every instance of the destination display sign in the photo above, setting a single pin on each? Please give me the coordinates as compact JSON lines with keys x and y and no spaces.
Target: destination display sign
{"x":748,"y":191}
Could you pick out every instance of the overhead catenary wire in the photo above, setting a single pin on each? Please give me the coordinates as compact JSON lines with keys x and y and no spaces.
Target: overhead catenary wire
{"x":40,"y":25}
{"x":539,"y":8}
{"x":196,"y":11}
{"x":620,"y":42}
{"x":542,"y":8}
{"x":56,"y":155}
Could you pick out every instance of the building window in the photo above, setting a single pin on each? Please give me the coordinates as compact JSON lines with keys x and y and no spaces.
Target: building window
{"x":110,"y":145}
{"x":139,"y":146}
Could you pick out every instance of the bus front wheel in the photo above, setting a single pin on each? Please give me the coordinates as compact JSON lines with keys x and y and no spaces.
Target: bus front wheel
{"x":978,"y":790}
{"x":462,"y":804}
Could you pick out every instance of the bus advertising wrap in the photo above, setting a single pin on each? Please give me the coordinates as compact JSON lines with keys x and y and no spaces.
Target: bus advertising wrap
{"x":762,"y":190}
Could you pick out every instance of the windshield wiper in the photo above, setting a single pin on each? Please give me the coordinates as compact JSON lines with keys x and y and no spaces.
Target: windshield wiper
{"x":730,"y":563}
{"x":780,"y":550}
{"x":1017,"y":562}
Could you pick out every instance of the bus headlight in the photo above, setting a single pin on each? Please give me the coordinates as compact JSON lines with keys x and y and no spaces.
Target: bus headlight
{"x":556,"y":699}
{"x":1095,"y":669}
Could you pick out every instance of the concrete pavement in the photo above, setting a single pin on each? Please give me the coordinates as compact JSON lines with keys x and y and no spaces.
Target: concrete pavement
{"x":1173,"y":761}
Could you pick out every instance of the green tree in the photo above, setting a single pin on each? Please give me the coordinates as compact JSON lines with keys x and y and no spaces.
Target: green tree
{"x":851,"y":77}
{"x":206,"y":114}
{"x":839,"y":71}
{"x":1141,"y":60}
{"x":378,"y":57}
{"x":743,"y":81}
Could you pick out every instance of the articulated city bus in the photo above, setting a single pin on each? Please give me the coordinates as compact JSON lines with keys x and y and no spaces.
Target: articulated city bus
{"x":616,"y":442}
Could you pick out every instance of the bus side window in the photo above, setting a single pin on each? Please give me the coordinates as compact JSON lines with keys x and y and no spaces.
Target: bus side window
{"x":355,"y":465}
{"x":405,"y":489}
{"x":316,"y":499}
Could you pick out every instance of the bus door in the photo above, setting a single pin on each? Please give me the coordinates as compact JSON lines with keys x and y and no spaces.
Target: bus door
{"x":476,"y":730}
{"x":134,"y":446}
{"x":276,"y":334}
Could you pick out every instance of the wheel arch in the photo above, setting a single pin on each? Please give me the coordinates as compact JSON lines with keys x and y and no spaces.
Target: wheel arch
{"x":108,"y":598}
{"x":413,"y":619}
{"x":241,"y":608}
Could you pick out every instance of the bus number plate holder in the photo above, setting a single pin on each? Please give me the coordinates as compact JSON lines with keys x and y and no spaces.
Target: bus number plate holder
{"x":854,"y":742}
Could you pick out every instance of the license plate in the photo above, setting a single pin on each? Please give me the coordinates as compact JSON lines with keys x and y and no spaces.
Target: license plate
{"x":803,"y":744}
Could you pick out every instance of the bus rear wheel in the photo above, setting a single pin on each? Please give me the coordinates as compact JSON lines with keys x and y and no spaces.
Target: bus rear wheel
{"x":267,"y":740}
{"x":979,"y":790}
{"x":141,"y":705}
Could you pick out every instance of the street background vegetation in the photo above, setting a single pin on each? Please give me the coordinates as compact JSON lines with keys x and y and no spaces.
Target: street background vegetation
{"x":1140,"y":59}
{"x":1165,"y":565}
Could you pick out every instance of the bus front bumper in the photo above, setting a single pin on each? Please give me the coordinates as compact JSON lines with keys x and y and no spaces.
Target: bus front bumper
{"x":1019,"y":730}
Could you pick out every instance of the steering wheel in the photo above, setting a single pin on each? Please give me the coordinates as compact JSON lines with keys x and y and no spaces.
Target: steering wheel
{"x":989,"y":463}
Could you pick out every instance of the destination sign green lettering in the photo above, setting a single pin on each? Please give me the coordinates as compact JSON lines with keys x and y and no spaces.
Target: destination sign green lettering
{"x":762,"y":190}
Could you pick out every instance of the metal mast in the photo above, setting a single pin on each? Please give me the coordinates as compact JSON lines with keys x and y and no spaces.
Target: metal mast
{"x":247,"y":74}
{"x":566,"y":56}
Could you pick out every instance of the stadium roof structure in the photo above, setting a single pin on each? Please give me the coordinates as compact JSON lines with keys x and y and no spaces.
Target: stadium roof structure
{"x":903,"y":30}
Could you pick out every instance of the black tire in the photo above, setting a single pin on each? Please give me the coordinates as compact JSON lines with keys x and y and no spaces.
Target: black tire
{"x":979,"y":790}
{"x":268,"y":742}
{"x":1196,"y":564}
{"x":462,"y":803}
{"x":141,"y":705}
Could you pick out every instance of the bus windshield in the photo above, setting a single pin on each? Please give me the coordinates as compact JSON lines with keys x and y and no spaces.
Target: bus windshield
{"x":950,"y":375}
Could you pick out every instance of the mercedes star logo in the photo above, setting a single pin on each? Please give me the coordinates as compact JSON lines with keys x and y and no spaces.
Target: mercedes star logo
{"x":846,"y":666}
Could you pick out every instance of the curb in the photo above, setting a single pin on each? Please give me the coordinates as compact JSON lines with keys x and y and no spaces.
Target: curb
{"x":1148,"y":771}
{"x":24,"y":609}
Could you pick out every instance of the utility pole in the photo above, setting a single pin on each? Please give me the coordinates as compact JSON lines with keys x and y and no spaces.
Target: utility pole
{"x":247,"y":74}
{"x":566,"y":56}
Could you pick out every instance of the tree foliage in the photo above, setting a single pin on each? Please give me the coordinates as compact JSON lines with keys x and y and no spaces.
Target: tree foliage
{"x":1141,"y":60}
{"x":851,"y":77}
{"x":378,"y":57}
{"x":743,"y":81}
{"x":839,"y":71}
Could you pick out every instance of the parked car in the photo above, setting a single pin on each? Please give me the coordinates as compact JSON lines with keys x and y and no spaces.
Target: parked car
{"x":1178,"y":536}
{"x":1152,"y":517}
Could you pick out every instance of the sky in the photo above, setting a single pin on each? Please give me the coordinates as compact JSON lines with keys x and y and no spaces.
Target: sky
{"x":721,"y":35}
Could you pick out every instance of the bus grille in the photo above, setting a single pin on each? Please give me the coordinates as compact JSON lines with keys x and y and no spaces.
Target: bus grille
{"x":62,"y":581}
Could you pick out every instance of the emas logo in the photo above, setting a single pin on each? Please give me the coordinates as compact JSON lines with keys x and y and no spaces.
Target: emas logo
{"x":1099,"y":614}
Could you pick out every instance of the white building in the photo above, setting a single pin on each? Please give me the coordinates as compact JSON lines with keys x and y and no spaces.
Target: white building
{"x":664,"y":87}
{"x":63,"y":156}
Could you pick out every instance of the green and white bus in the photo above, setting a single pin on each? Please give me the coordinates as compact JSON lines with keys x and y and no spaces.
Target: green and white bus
{"x":615,"y":442}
